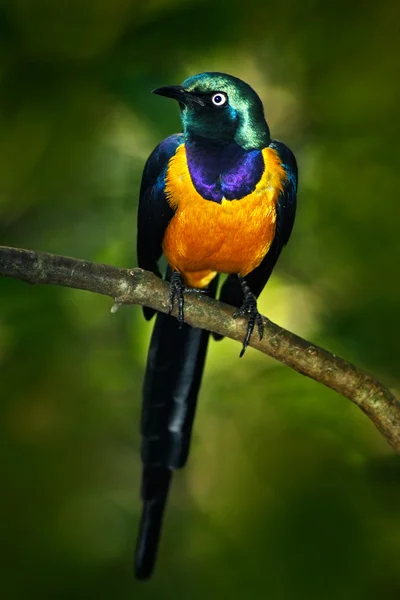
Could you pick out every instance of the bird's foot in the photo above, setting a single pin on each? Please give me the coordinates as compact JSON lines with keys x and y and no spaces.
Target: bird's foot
{"x":249,"y":308}
{"x":176,"y":289}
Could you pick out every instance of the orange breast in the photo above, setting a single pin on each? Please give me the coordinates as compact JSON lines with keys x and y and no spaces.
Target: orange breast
{"x":205,"y":238}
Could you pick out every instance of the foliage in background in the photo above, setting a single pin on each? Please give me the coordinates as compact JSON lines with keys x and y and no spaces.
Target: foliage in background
{"x":289,"y":492}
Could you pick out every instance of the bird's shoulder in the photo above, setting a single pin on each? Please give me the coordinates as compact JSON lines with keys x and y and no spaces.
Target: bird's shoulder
{"x":287,"y":202}
{"x":287,"y":160}
{"x":157,"y":163}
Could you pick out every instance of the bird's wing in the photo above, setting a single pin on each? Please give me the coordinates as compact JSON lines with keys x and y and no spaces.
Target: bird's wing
{"x":154,"y":212}
{"x":231,"y":291}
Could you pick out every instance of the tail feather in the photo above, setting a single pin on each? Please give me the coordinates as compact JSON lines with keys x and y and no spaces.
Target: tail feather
{"x":172,"y":380}
{"x":155,"y":486}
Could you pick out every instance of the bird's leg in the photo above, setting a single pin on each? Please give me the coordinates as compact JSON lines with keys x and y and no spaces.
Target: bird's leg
{"x":176,"y":289}
{"x":249,"y":307}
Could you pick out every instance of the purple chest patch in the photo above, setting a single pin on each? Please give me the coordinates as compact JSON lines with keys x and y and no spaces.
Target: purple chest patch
{"x":223,"y":171}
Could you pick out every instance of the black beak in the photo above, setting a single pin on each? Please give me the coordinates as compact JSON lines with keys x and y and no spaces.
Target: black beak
{"x":178,"y":93}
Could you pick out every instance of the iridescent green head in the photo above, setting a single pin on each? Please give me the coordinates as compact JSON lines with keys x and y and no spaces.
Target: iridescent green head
{"x":220,"y":107}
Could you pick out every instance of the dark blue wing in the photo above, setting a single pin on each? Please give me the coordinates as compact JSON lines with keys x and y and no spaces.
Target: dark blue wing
{"x":286,"y":206}
{"x":154,"y":212}
{"x":231,"y":291}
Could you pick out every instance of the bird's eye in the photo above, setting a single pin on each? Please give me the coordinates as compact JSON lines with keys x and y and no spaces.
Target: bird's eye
{"x":219,"y":99}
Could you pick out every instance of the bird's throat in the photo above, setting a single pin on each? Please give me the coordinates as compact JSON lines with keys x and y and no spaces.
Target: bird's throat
{"x":223,"y":170}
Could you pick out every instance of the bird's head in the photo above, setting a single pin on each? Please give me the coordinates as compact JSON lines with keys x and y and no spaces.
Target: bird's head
{"x":220,"y":108}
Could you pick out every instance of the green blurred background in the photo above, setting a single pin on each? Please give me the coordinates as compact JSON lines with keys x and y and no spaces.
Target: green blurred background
{"x":290,"y":493}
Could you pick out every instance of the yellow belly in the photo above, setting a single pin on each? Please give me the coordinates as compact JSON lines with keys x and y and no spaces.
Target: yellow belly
{"x":204,"y":237}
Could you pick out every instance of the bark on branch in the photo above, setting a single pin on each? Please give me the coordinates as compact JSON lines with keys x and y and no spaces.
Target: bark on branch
{"x":135,"y":286}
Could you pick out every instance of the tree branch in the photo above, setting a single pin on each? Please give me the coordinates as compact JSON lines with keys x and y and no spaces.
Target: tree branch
{"x":135,"y":286}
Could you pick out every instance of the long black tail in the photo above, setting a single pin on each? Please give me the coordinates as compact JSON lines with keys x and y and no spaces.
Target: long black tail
{"x":173,"y":375}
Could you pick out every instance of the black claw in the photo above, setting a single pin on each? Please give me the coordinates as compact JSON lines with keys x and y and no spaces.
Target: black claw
{"x":249,"y":307}
{"x":177,"y":287}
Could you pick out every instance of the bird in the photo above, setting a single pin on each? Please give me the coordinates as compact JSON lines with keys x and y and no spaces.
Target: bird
{"x":219,"y":198}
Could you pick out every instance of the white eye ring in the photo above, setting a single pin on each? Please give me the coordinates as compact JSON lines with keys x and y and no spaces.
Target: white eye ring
{"x":219,"y":99}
